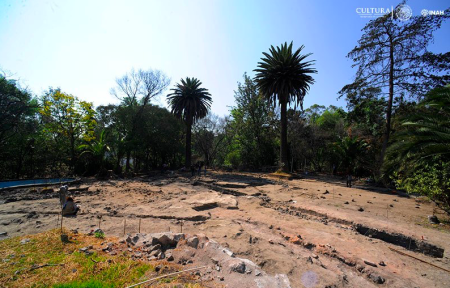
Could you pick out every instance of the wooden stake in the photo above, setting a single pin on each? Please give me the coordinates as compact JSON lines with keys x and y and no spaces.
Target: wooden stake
{"x":99,"y":221}
{"x":124,"y":224}
{"x":402,"y":253}
{"x":139,"y":225}
{"x":62,"y":221}
{"x":181,"y":224}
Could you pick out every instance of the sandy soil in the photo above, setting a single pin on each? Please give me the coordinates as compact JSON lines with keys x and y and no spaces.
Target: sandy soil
{"x":304,"y":228}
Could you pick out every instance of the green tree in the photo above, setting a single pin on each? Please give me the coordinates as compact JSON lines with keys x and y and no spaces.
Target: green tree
{"x":97,"y":149}
{"x":136,"y":89}
{"x":392,"y":55}
{"x":283,"y":76}
{"x":208,"y":137}
{"x":419,"y":156}
{"x":67,"y":120}
{"x":19,"y":130}
{"x":189,"y":102}
{"x":253,"y":119}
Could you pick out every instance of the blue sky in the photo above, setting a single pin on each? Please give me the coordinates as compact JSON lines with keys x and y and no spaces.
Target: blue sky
{"x":82,"y":46}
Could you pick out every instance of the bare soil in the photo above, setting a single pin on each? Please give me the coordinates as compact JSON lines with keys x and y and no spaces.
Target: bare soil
{"x":304,"y":228}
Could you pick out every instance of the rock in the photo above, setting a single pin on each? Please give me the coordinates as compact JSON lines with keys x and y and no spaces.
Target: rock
{"x":3,"y":234}
{"x":84,"y":249}
{"x":238,"y":267}
{"x":154,"y":247}
{"x":376,"y":278}
{"x":9,"y":200}
{"x":25,"y":241}
{"x":192,"y":242}
{"x":309,"y":245}
{"x":309,"y":260}
{"x":346,"y":202}
{"x":433,"y":219}
{"x":361,"y":209}
{"x":100,"y":231}
{"x":32,"y":215}
{"x":370,"y":263}
{"x":382,"y":263}
{"x":155,"y":253}
{"x":166,"y":240}
{"x":326,"y":192}
{"x":228,"y":252}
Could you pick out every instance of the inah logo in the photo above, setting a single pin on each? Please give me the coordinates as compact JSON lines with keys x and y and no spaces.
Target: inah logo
{"x":403,"y":12}
{"x":426,"y":12}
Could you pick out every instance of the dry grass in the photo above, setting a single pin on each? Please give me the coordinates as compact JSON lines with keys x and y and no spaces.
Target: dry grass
{"x":46,"y":262}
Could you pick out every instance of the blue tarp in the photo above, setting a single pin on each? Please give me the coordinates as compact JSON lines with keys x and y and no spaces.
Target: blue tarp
{"x":32,"y":182}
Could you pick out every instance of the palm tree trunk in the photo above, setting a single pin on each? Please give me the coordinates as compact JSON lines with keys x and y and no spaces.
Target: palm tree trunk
{"x":284,"y":166}
{"x":188,"y":145}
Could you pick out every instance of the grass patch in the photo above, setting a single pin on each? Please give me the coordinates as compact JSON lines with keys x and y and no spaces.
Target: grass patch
{"x":45,"y":261}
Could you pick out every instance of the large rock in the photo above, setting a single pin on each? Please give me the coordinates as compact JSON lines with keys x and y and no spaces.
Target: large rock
{"x":166,"y":239}
{"x":210,"y":200}
{"x":247,"y":273}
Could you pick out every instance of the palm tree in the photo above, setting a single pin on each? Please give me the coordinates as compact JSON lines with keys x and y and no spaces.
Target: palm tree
{"x":189,"y":102}
{"x":424,"y":133}
{"x":98,"y":149}
{"x":284,"y":76}
{"x":419,"y":156}
{"x":351,"y":151}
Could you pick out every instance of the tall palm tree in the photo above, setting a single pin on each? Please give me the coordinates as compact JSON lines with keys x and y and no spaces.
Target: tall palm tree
{"x":189,"y":102}
{"x":285,"y":77}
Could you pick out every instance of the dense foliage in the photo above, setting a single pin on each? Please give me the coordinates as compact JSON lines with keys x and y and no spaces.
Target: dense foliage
{"x":418,"y":158}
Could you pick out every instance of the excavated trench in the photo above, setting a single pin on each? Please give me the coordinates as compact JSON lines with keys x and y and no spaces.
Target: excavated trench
{"x":398,"y":239}
{"x":401,"y":240}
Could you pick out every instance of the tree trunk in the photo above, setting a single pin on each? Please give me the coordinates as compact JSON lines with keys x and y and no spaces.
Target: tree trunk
{"x":188,"y":145}
{"x":127,"y":169}
{"x":284,"y":166}
{"x":387,"y":131}
{"x":72,"y":151}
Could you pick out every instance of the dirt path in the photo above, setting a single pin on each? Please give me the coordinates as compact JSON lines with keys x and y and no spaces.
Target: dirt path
{"x":305,"y":228}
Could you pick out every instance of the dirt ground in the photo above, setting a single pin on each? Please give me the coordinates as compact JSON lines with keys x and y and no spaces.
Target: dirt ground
{"x":315,"y":230}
